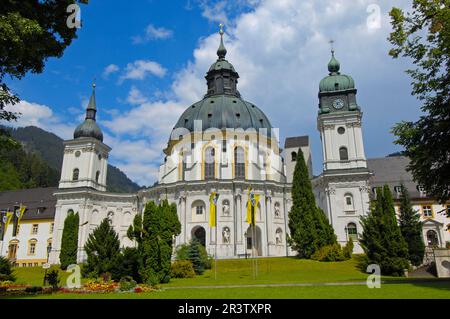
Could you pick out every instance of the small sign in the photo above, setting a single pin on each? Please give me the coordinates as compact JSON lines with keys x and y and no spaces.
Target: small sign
{"x":46,"y":266}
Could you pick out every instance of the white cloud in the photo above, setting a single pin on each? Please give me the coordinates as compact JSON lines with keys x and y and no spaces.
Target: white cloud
{"x":139,"y":69}
{"x":153,"y":33}
{"x":110,"y":69}
{"x":281,"y":51}
{"x":135,"y":96}
{"x":34,"y":114}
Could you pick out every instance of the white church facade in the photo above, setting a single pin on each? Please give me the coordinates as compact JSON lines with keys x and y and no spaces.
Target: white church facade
{"x":226,"y":145}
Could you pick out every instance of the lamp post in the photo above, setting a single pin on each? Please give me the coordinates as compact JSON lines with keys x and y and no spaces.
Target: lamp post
{"x":46,"y":266}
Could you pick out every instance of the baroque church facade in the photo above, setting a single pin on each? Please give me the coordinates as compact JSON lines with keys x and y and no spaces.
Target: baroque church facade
{"x":226,"y":145}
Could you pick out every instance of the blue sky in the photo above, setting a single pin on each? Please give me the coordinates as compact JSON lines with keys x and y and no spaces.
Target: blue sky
{"x":149,"y":59}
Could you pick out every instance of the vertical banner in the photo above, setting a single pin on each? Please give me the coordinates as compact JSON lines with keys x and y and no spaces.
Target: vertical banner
{"x":2,"y":224}
{"x":7,"y":220}
{"x":212,"y":209}
{"x":18,"y":213}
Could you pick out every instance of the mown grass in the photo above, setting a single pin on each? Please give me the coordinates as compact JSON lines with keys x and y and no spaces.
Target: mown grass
{"x":270,"y":271}
{"x":438,"y":290}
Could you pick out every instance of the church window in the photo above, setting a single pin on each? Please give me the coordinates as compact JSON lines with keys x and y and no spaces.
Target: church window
{"x":32,"y":246}
{"x":343,"y":154}
{"x":199,"y":210}
{"x":294,"y":156}
{"x":341,"y":130}
{"x":210,"y":163}
{"x":97,"y":175}
{"x":77,"y":154}
{"x":427,"y":211}
{"x":75,"y":174}
{"x":239,"y":162}
{"x":183,"y":167}
{"x":99,"y":157}
{"x":34,"y":229}
{"x":349,"y":202}
{"x":352,"y":231}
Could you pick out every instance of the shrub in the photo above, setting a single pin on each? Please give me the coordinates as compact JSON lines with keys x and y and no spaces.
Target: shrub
{"x":34,"y":289}
{"x":129,"y":263}
{"x":182,"y":254}
{"x":6,"y":273}
{"x":182,"y":269}
{"x":447,"y":244}
{"x":348,"y":249}
{"x":127,"y":284}
{"x":329,"y":253}
{"x":53,"y":278}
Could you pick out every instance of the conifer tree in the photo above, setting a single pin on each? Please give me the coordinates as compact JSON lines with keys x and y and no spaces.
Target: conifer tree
{"x":411,"y":228}
{"x":103,"y":251}
{"x":194,"y":255}
{"x":381,"y":238}
{"x":159,"y":226}
{"x":69,"y":241}
{"x":308,"y":225}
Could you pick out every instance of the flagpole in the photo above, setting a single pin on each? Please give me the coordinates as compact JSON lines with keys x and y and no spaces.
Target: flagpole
{"x":215,"y":253}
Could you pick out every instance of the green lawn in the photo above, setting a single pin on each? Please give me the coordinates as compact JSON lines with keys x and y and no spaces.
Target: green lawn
{"x":275,"y":270}
{"x":270,"y":271}
{"x":396,"y":291}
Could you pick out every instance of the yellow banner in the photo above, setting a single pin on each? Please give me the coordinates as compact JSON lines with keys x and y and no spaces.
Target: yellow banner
{"x":212,"y":209}
{"x":252,"y":204}
{"x":9,"y":216}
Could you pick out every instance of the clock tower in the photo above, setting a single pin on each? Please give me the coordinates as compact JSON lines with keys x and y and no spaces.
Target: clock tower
{"x":342,"y":189}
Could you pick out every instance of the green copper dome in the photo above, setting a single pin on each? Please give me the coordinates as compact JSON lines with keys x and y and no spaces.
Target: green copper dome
{"x":336,"y":81}
{"x":89,"y":128}
{"x":222,"y":112}
{"x":222,"y":107}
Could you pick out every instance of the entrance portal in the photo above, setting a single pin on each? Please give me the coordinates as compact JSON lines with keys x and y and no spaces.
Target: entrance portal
{"x":254,"y":231}
{"x":199,"y":233}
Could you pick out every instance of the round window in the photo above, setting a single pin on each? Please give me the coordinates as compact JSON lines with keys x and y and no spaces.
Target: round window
{"x":77,"y":154}
{"x":341,"y":130}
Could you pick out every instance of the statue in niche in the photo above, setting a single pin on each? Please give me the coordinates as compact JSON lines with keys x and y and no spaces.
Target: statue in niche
{"x":278,"y":239}
{"x":226,"y":208}
{"x":226,"y":235}
{"x":277,"y":210}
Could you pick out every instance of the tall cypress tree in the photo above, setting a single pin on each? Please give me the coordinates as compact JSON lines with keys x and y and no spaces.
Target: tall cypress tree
{"x":159,"y":226}
{"x":103,"y":251}
{"x":69,"y":241}
{"x":382,"y":240}
{"x":411,"y":228}
{"x":308,"y":225}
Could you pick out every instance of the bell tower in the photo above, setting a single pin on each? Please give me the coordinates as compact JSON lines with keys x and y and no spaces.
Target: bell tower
{"x":85,"y":160}
{"x":342,"y":189}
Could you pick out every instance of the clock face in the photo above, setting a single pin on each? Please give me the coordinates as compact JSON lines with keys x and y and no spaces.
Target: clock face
{"x":338,"y":104}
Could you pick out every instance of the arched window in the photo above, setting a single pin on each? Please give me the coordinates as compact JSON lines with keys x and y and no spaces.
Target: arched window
{"x":352,"y":231}
{"x":239,"y":162}
{"x":210,"y":163}
{"x":97,"y":175}
{"x":198,"y":210}
{"x":348,"y":202}
{"x":343,"y":154}
{"x":294,"y":156}
{"x":75,"y":174}
{"x":183,"y":166}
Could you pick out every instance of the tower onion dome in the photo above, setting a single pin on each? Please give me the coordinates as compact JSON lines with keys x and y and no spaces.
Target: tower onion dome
{"x":222,"y":106}
{"x":336,"y":81}
{"x":89,"y":128}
